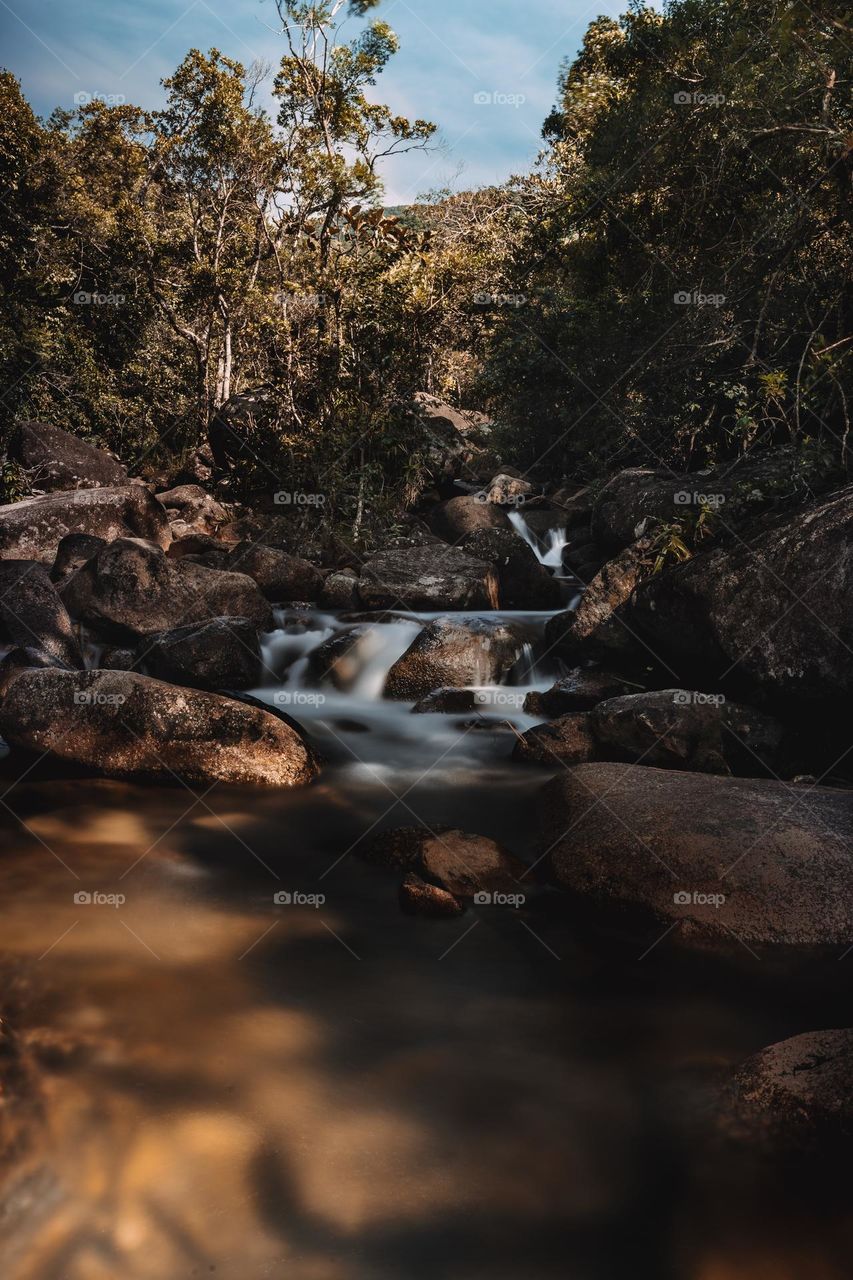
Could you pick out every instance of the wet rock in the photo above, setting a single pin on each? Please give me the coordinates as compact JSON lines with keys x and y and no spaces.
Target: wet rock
{"x":730,"y":861}
{"x":456,"y":653}
{"x":136,"y":589}
{"x":598,"y":623}
{"x":192,"y":511}
{"x":523,"y":583}
{"x":459,"y":517}
{"x":775,"y":606}
{"x":794,"y":1098}
{"x":224,"y":653}
{"x":281,"y":577}
{"x":427,"y":578}
{"x":72,"y":553}
{"x":34,"y":528}
{"x":32,"y":614}
{"x":580,"y":690}
{"x":455,"y":701}
{"x":340,"y":590}
{"x":57,"y":460}
{"x":566,"y":741}
{"x":122,"y":724}
{"x":460,"y":862}
{"x":682,"y":729}
{"x":419,"y":898}
{"x":340,"y":660}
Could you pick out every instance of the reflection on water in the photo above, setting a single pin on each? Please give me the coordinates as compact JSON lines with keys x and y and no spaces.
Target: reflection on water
{"x":209,"y":1083}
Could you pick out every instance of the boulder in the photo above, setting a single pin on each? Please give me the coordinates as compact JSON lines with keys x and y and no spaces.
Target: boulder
{"x":340,"y":590}
{"x":136,"y":589}
{"x":221,"y":654}
{"x":427,"y":578}
{"x":566,"y":741}
{"x":632,"y":501}
{"x":281,"y":577}
{"x":32,"y":614}
{"x":125,"y":725}
{"x":580,"y":690}
{"x":192,"y":511}
{"x":34,"y":528}
{"x":72,"y":553}
{"x":459,"y":862}
{"x":794,"y":1098}
{"x":57,"y":460}
{"x":598,"y":623}
{"x":456,"y":653}
{"x":683,"y":729}
{"x":459,"y":517}
{"x":420,"y":898}
{"x":340,"y":660}
{"x":732,"y":861}
{"x":507,"y":491}
{"x":575,"y":504}
{"x":453,"y":701}
{"x":773,"y":610}
{"x":523,"y":583}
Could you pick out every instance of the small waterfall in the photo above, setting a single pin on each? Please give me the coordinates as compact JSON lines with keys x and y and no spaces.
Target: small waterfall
{"x":551,"y":555}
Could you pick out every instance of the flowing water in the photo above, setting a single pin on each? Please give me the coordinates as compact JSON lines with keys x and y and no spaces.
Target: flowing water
{"x":233,"y":1056}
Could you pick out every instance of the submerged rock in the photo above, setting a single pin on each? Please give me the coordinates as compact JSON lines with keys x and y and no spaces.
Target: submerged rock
{"x":34,"y":528}
{"x":460,"y":863}
{"x":427,"y":578}
{"x":125,"y":725}
{"x":420,"y":898}
{"x":456,"y":653}
{"x":731,"y":861}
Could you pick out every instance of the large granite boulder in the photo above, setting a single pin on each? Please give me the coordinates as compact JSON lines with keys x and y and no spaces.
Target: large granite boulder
{"x":427,"y":578}
{"x":134,"y":588}
{"x":125,"y":725}
{"x":280,"y":576}
{"x":459,"y":517}
{"x":742,"y":862}
{"x":773,"y":610}
{"x":224,"y":653}
{"x":55,"y":459}
{"x":456,"y":653}
{"x":33,"y":616}
{"x":34,"y":528}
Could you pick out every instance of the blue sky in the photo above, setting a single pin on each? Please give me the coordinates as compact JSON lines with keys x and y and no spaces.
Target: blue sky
{"x":454,"y":54}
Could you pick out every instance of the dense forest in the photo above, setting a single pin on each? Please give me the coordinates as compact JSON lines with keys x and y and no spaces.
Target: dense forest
{"x":670,"y":284}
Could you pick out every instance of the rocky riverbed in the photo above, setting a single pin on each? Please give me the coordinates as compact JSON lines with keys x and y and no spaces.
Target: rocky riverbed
{"x":472,"y":903}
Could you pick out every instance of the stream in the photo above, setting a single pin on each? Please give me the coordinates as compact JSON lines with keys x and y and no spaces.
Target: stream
{"x":238,"y":1058}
